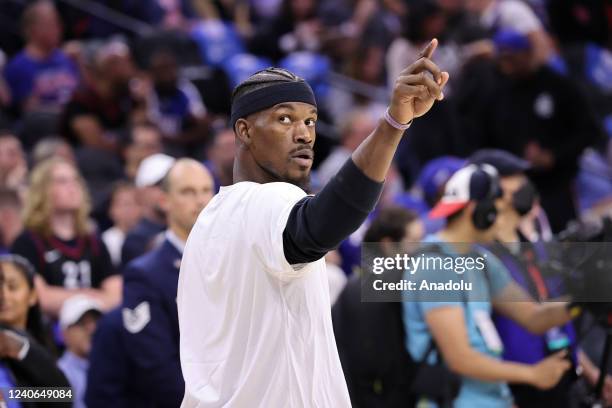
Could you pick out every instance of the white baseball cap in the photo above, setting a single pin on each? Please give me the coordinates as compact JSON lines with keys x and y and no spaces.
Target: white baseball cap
{"x":75,"y":307}
{"x":472,"y":182}
{"x":153,"y":169}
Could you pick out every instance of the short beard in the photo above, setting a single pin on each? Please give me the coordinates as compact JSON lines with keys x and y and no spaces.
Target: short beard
{"x":303,"y":182}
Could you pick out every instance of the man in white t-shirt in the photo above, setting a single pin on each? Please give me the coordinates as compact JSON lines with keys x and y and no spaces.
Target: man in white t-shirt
{"x":253,"y":299}
{"x":515,"y":15}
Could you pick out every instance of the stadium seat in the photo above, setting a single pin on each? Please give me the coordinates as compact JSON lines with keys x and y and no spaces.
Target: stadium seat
{"x":184,"y":47}
{"x":241,"y":66}
{"x":598,"y":67}
{"x":314,"y":68}
{"x":218,"y":41}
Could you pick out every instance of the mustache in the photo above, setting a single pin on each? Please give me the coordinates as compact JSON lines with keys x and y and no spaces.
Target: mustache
{"x":302,"y":149}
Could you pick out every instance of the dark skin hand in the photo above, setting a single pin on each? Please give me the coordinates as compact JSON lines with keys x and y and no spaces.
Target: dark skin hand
{"x":415,"y":91}
{"x":418,"y":86}
{"x":277,"y":144}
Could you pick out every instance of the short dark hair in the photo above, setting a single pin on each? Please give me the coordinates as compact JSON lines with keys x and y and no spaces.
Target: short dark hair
{"x":29,"y":16}
{"x":118,"y":187}
{"x":390,"y":223}
{"x":126,"y":135}
{"x":159,"y":52}
{"x":263,"y":79}
{"x":6,"y":132}
{"x":415,"y":20}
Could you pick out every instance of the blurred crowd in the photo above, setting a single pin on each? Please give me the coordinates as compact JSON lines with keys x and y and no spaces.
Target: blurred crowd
{"x":114,"y":136}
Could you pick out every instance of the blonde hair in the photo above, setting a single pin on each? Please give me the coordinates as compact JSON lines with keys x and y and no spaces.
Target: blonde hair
{"x":37,"y":210}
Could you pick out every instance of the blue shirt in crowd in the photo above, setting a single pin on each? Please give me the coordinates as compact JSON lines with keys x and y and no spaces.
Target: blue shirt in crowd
{"x":75,"y":369}
{"x":173,"y":111}
{"x":520,"y":345}
{"x":51,"y":80}
{"x":474,"y":393}
{"x":6,"y":381}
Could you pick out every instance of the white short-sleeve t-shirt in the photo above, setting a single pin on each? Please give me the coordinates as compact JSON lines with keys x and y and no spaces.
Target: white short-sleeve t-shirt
{"x":255,"y":331}
{"x":511,"y":14}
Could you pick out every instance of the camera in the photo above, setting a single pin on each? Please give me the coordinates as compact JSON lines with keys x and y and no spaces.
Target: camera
{"x":584,"y":259}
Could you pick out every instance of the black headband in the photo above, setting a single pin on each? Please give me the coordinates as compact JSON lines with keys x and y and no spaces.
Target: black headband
{"x":269,"y":96}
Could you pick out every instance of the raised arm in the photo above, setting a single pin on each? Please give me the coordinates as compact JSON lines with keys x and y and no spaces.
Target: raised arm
{"x":318,"y":224}
{"x":415,"y":91}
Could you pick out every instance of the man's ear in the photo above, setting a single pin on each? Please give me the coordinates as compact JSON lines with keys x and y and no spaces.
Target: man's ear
{"x":163,"y":201}
{"x":470,"y":208}
{"x":242,"y":131}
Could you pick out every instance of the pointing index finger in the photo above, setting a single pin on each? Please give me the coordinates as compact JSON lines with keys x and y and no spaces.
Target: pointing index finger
{"x":429,"y":50}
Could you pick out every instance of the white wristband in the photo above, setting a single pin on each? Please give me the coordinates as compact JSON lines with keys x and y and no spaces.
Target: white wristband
{"x":394,"y":123}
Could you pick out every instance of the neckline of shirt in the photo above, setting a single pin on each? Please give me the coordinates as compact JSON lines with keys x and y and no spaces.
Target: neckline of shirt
{"x":176,"y":242}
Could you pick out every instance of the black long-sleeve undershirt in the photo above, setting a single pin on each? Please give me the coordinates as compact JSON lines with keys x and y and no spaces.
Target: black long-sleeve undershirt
{"x":318,"y":224}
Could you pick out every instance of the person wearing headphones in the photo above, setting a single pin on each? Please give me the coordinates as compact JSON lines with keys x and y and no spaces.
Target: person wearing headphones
{"x":458,"y":325}
{"x":526,"y":264}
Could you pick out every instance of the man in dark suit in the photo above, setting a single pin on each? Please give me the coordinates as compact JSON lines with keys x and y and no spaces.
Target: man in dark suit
{"x":108,"y":377}
{"x":150,"y":331}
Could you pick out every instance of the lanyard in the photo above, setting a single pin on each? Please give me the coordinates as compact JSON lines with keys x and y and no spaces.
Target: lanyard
{"x":536,"y":276}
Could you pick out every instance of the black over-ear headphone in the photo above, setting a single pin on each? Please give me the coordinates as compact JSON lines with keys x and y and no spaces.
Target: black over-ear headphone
{"x":484,"y":189}
{"x":524,"y":198}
